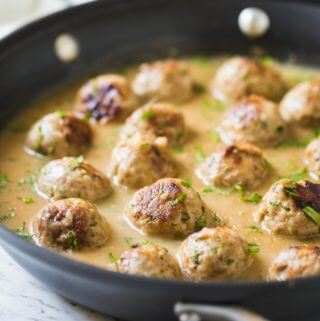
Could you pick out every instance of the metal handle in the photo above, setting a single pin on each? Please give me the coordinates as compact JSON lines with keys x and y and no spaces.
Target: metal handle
{"x":203,"y":312}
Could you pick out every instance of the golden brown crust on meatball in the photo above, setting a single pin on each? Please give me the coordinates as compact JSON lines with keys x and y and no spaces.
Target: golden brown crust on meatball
{"x":59,"y":134}
{"x":239,"y":164}
{"x":72,"y":177}
{"x":104,"y":98}
{"x":156,"y":119}
{"x":149,"y":260}
{"x":165,"y":80}
{"x":71,"y":223}
{"x":241,"y":76}
{"x":294,"y":262}
{"x":284,"y":209}
{"x":302,"y":103}
{"x":140,"y":161}
{"x":253,"y":120}
{"x":312,"y":158}
{"x":214,"y":254}
{"x":169,"y":207}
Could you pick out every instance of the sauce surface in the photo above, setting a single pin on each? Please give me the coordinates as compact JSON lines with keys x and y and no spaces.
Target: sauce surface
{"x":202,"y":115}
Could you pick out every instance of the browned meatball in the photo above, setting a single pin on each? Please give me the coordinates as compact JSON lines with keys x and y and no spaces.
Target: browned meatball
{"x":140,"y":161}
{"x":294,"y":262}
{"x":149,"y":260}
{"x":240,"y":164}
{"x":72,"y":223}
{"x":302,"y":104}
{"x":254,"y":120}
{"x":312,"y":158}
{"x":242,"y":76}
{"x":165,"y":80}
{"x":158,"y":120}
{"x":169,"y":207}
{"x":59,"y":134}
{"x":291,"y":208}
{"x":104,"y":98}
{"x":214,"y":254}
{"x":72,"y":177}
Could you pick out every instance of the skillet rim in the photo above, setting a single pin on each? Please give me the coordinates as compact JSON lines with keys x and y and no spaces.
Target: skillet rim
{"x":97,"y":274}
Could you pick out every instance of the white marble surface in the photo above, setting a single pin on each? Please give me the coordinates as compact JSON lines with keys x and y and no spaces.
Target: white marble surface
{"x":22,"y":298}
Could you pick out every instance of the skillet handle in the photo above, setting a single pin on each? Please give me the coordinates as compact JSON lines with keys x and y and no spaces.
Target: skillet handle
{"x":203,"y":312}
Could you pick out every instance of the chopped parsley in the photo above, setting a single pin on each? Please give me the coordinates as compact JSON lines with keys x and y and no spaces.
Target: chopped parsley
{"x":39,"y":139}
{"x":29,"y":181}
{"x":201,"y":222}
{"x":177,"y":150}
{"x":298,"y":175}
{"x":148,"y":114}
{"x":185,"y":216}
{"x":11,"y":214}
{"x":196,"y":257}
{"x":179,"y":199}
{"x":254,"y":228}
{"x":61,"y":113}
{"x":77,"y":162}
{"x":113,"y":260}
{"x":200,"y":154}
{"x":218,"y":105}
{"x":253,"y":198}
{"x":20,"y":232}
{"x":215,"y":137}
{"x":26,"y":200}
{"x":312,"y":213}
{"x":3,"y":180}
{"x":253,"y":248}
{"x":72,"y":241}
{"x":198,"y":88}
{"x":220,"y":191}
{"x":229,"y":261}
{"x":186,"y":183}
{"x":278,"y":203}
{"x":267,"y":61}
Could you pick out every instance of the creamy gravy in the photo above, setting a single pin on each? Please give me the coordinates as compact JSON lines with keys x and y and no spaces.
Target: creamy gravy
{"x":201,"y":118}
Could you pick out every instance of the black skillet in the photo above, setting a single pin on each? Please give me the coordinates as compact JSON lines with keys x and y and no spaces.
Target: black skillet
{"x":114,"y":34}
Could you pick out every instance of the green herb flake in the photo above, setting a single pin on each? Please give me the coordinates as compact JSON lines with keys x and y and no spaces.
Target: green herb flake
{"x":11,"y":214}
{"x":113,"y":260}
{"x":220,"y":191}
{"x":26,"y":200}
{"x":177,"y":150}
{"x":200,"y":154}
{"x":215,"y":137}
{"x":148,"y":114}
{"x":39,"y":139}
{"x":201,"y":222}
{"x":267,"y":61}
{"x":312,"y":213}
{"x":253,"y":248}
{"x":255,"y":228}
{"x":186,"y":183}
{"x":198,"y":88}
{"x":20,"y":231}
{"x":3,"y":180}
{"x":196,"y":257}
{"x":229,"y":261}
{"x":216,"y":106}
{"x":252,"y":198}
{"x":77,"y":162}
{"x":179,"y":199}
{"x":72,"y":241}
{"x":298,"y":175}
{"x":61,"y":114}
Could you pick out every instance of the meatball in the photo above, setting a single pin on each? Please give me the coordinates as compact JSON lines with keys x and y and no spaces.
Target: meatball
{"x":241,"y":76}
{"x":141,"y":161}
{"x":312,"y":158}
{"x":214,"y":253}
{"x":59,"y":134}
{"x":302,"y":104}
{"x":290,"y":208}
{"x":72,"y":177}
{"x":158,"y":120}
{"x":240,"y":164}
{"x":254,"y":120}
{"x":165,"y":80}
{"x":104,"y":98}
{"x":149,"y":260}
{"x":72,"y":223}
{"x":294,"y":262}
{"x":169,"y":207}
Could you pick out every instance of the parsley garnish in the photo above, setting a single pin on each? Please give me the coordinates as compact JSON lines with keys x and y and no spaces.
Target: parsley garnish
{"x":195,"y":257}
{"x":20,"y":229}
{"x":254,"y":228}
{"x":253,"y":198}
{"x":312,"y":213}
{"x":26,"y":200}
{"x":186,"y":183}
{"x":220,"y":191}
{"x":200,"y":154}
{"x":3,"y":180}
{"x":297,"y":175}
{"x":253,"y":248}
{"x":72,"y":241}
{"x":148,"y":114}
{"x":75,"y":164}
{"x":179,"y":199}
{"x":39,"y":139}
{"x":113,"y":260}
{"x":11,"y":214}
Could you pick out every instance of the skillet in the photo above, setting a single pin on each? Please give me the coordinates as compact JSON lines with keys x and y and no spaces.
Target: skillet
{"x":116,"y":34}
